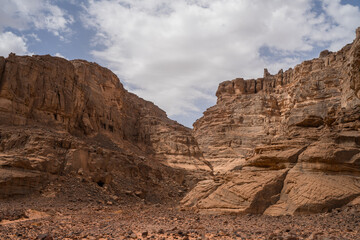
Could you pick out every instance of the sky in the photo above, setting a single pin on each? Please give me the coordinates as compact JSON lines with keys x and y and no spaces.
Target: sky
{"x":175,"y":53}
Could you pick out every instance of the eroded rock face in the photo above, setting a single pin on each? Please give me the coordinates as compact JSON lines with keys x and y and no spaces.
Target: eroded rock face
{"x":285,"y":143}
{"x":70,"y":116}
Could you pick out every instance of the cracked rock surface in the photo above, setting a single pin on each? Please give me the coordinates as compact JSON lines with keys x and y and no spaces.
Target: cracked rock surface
{"x":287,"y":143}
{"x":82,"y":158}
{"x":60,"y":117}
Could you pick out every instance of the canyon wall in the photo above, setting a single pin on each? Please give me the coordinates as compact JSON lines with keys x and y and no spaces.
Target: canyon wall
{"x":285,"y":143}
{"x":59,"y":116}
{"x":282,"y":144}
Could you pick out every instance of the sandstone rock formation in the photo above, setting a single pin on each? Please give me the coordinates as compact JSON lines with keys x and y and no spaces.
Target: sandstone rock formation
{"x":285,"y":143}
{"x":74,"y":117}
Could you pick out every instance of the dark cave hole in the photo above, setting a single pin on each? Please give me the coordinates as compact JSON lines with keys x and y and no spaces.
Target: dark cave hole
{"x":100,"y":183}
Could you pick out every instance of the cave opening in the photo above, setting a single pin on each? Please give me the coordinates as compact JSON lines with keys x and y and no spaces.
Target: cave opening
{"x":100,"y":183}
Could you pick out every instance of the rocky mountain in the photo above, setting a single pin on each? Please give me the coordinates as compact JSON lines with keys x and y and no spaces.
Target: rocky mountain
{"x":282,"y":144}
{"x":60,"y":117}
{"x":286,"y":143}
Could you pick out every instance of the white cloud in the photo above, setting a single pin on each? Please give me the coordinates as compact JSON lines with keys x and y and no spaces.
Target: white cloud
{"x":176,"y":52}
{"x":37,"y":14}
{"x":345,"y":19}
{"x":34,"y":37}
{"x":10,"y":42}
{"x":60,"y":55}
{"x":24,"y":15}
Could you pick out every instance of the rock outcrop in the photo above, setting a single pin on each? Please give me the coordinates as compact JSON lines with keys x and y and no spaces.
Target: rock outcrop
{"x":286,"y":143}
{"x":282,"y":144}
{"x":63,"y":117}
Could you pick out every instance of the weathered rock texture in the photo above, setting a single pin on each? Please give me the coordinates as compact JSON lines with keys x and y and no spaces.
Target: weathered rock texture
{"x":285,"y":143}
{"x":59,"y":116}
{"x":282,"y":144}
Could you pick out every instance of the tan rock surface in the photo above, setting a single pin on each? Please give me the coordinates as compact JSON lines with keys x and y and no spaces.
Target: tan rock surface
{"x":283,"y":144}
{"x":241,"y":192}
{"x":309,"y":191}
{"x":76,"y":117}
{"x":304,"y":122}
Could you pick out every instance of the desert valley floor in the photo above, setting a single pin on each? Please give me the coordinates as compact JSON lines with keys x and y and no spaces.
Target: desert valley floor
{"x":71,"y":209}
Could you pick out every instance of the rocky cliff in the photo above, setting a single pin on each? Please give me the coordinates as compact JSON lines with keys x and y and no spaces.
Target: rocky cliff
{"x":281,"y":144}
{"x":74,"y":117}
{"x":285,"y":143}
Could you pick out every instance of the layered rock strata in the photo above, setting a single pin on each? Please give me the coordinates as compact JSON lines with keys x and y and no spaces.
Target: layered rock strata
{"x":70,"y":116}
{"x":285,"y":143}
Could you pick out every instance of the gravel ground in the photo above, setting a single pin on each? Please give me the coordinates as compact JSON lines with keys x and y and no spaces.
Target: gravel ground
{"x":73,"y":211}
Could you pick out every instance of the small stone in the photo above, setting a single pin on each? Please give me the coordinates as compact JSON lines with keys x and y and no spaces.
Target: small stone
{"x":181,"y":233}
{"x":139,"y":194}
{"x":80,"y":171}
{"x":292,"y":238}
{"x":131,"y":234}
{"x":144,"y":234}
{"x":237,"y":233}
{"x":115,"y":198}
{"x":44,"y":237}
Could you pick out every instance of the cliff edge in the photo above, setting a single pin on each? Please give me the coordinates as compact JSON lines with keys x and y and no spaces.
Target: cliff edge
{"x":286,"y":143}
{"x":60,"y":117}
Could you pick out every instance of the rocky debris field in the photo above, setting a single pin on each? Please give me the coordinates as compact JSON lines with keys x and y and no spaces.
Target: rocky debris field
{"x":72,"y":209}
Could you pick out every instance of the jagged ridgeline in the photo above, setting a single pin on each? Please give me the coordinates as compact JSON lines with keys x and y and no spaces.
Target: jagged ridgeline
{"x":285,"y":143}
